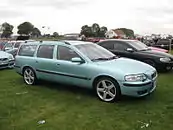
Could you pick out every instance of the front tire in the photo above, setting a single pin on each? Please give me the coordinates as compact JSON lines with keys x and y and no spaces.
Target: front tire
{"x":107,"y":89}
{"x":29,"y":76}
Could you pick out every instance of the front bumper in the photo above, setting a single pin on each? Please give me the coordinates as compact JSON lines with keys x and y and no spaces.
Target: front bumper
{"x":7,"y":64}
{"x":165,"y":66}
{"x":138,"y":90}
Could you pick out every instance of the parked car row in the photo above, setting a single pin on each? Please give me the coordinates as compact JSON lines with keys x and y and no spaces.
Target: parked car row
{"x":160,"y":43}
{"x":111,"y":68}
{"x":87,"y":65}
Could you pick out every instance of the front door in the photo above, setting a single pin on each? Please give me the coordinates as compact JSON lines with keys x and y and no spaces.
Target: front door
{"x":71,"y":73}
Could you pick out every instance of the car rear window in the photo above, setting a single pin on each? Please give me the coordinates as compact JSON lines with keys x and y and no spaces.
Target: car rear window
{"x":27,"y":50}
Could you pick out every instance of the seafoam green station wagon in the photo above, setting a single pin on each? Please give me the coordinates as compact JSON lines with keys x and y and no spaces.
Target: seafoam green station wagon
{"x":85,"y":64}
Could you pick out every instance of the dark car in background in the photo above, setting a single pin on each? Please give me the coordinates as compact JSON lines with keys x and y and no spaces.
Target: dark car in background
{"x":139,"y":51}
{"x":163,"y":43}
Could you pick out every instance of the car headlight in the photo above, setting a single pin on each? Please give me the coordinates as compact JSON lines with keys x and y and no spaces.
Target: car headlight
{"x":135,"y":77}
{"x":165,"y":59}
{"x":11,"y":57}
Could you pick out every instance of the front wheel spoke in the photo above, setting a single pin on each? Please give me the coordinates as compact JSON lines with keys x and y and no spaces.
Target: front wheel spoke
{"x":31,"y":77}
{"x":111,"y":86}
{"x":29,"y":80}
{"x":104,"y":95}
{"x":26,"y":72}
{"x":111,"y":94}
{"x":26,"y":78}
{"x":100,"y":89}
{"x":104,"y":84}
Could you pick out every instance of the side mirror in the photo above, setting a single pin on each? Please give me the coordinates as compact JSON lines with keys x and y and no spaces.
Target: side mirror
{"x":130,"y":50}
{"x":77,"y":60}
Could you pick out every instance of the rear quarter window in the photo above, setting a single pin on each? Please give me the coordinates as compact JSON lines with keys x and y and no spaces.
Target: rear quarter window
{"x":27,"y":50}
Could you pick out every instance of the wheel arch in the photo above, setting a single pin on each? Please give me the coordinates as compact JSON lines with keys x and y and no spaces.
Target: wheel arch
{"x":103,"y":76}
{"x":27,"y":66}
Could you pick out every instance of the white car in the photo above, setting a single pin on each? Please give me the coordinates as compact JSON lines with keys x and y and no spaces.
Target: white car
{"x":6,"y":60}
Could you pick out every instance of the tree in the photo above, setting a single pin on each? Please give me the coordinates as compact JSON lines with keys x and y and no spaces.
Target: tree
{"x":25,"y":28}
{"x":86,"y":30}
{"x":95,"y":29}
{"x":102,"y":31}
{"x":6,"y":29}
{"x":55,"y":34}
{"x":35,"y":32}
{"x":128,"y":32}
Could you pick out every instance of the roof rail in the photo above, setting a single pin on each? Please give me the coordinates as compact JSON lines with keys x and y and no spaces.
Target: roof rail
{"x":65,"y":42}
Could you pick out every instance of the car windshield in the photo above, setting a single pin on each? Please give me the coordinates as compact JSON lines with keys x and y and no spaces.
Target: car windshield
{"x":9,"y":45}
{"x":138,"y":45}
{"x":95,"y":52}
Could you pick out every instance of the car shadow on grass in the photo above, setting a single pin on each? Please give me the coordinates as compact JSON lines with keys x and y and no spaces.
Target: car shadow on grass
{"x":89,"y":92}
{"x":67,"y":88}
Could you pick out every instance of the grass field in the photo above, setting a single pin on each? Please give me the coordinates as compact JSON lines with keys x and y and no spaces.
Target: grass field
{"x":70,"y":108}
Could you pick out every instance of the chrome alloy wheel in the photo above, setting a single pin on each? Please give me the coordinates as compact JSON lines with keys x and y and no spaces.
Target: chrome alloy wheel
{"x":106,"y":90}
{"x":29,"y":76}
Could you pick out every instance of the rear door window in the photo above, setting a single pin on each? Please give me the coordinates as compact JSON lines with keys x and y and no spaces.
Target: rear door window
{"x":45,"y":51}
{"x":27,"y":50}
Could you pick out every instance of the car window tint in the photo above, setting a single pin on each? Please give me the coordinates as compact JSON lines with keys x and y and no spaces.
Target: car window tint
{"x":65,"y":53}
{"x":27,"y":50}
{"x":108,"y":45}
{"x":120,"y":46}
{"x":45,"y":51}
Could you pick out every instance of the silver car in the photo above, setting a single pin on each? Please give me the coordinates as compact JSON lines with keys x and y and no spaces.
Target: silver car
{"x":6,"y":60}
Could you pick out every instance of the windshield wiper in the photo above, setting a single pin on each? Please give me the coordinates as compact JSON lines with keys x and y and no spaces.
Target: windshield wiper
{"x":100,"y":59}
{"x":109,"y":58}
{"x":113,"y":57}
{"x":145,"y":49}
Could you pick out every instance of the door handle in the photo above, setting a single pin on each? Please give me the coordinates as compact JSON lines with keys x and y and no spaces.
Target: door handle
{"x":36,"y":61}
{"x":58,"y":64}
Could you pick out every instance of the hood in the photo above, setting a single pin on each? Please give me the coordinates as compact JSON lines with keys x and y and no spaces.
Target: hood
{"x":127,"y":66}
{"x":4,"y":54}
{"x":159,"y":49}
{"x":157,"y":53}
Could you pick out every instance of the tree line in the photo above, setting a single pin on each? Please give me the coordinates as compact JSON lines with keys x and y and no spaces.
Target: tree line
{"x":25,"y":28}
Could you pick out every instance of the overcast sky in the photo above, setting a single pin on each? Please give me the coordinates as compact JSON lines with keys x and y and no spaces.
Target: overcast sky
{"x":67,"y":16}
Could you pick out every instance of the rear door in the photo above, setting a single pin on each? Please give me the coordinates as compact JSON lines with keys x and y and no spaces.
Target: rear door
{"x":45,"y":62}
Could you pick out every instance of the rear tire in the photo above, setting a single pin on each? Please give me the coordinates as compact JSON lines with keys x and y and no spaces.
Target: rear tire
{"x":29,"y":76}
{"x":107,"y":89}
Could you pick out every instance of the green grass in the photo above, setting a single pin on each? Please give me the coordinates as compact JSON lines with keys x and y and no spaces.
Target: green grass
{"x":69,"y":108}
